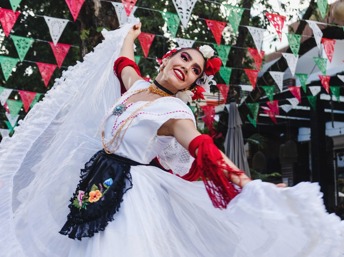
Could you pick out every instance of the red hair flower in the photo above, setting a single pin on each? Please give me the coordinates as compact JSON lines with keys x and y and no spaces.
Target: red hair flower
{"x":198,"y":93}
{"x":213,"y":66}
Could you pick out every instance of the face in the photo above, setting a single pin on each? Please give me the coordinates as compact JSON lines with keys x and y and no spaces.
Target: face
{"x":182,"y":69}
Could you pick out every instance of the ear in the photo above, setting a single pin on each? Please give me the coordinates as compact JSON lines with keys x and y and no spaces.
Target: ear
{"x":165,"y":61}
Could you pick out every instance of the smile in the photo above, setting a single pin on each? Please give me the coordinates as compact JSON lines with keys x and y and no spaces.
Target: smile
{"x":179,"y":74}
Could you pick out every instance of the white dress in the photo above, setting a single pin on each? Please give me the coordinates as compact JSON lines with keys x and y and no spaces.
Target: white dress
{"x":162,"y":215}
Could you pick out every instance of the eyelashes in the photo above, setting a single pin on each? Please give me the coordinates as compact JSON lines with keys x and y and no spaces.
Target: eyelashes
{"x":186,"y":58}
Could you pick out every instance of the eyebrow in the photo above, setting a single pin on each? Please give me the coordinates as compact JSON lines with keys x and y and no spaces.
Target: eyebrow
{"x":196,"y":64}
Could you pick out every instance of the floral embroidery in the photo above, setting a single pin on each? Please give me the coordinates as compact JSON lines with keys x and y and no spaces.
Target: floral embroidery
{"x":96,"y":193}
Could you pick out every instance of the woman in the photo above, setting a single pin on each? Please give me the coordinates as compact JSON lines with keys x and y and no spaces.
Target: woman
{"x":161,"y":213}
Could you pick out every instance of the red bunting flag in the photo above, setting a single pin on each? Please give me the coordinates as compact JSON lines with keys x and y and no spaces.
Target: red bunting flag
{"x":277,"y":21}
{"x":75,"y":7}
{"x":325,"y":82}
{"x":328,"y":47}
{"x":216,"y":28}
{"x":257,"y":56}
{"x":252,"y":76}
{"x":7,"y":19}
{"x":273,"y":105}
{"x":223,"y":88}
{"x":296,"y":92}
{"x":128,"y":6}
{"x":46,"y":70}
{"x":209,"y":114}
{"x":272,"y":115}
{"x":146,"y":40}
{"x":27,"y":98}
{"x":60,"y":51}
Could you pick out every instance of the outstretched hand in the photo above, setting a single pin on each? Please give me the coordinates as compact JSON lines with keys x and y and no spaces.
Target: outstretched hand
{"x":135,"y":30}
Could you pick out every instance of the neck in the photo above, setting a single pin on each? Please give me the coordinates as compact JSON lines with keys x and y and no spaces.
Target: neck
{"x":157,"y":84}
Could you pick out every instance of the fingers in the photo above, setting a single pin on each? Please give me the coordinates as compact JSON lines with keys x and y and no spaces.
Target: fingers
{"x":137,"y":26}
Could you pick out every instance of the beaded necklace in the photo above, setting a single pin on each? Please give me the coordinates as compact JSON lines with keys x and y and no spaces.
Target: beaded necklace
{"x":118,"y":110}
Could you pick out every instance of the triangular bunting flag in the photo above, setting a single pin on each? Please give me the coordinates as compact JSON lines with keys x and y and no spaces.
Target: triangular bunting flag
{"x":184,"y":42}
{"x":128,"y":6}
{"x":293,"y":101}
{"x":234,"y":15}
{"x":325,"y":82}
{"x":172,"y":21}
{"x":4,"y":94}
{"x":303,"y":80}
{"x":216,"y":28}
{"x":254,"y":109}
{"x":251,"y":120}
{"x":315,"y":90}
{"x":223,"y":88}
{"x":7,"y":19}
{"x":286,"y":107}
{"x":46,"y":71}
{"x":56,"y":27}
{"x":321,"y":63}
{"x":137,"y":59}
{"x":269,"y":91}
{"x":146,"y":40}
{"x":27,"y":98}
{"x":322,"y":6}
{"x":9,"y":126}
{"x":8,"y":64}
{"x":328,"y":47}
{"x":271,"y":115}
{"x":278,"y":77}
{"x":75,"y":7}
{"x":257,"y":35}
{"x":22,"y":45}
{"x":316,"y":32}
{"x":60,"y":51}
{"x":296,"y":92}
{"x":252,"y":76}
{"x":122,"y":15}
{"x":184,"y":10}
{"x":225,"y":73}
{"x":4,"y":132}
{"x":14,"y":107}
{"x":273,"y":105}
{"x":12,"y":119}
{"x":277,"y":21}
{"x":223,"y":52}
{"x":257,"y":57}
{"x":292,"y":61}
{"x":312,"y":101}
{"x":15,"y":4}
{"x":341,"y":77}
{"x":335,"y":90}
{"x":294,"y":43}
{"x":35,"y":100}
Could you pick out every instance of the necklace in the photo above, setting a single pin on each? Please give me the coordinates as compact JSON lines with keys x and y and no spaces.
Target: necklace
{"x":165,"y":90}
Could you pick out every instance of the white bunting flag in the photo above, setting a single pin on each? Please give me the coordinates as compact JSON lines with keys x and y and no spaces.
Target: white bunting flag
{"x":184,"y":9}
{"x":341,"y":77}
{"x":4,"y":94}
{"x":184,"y":43}
{"x":315,"y":90}
{"x":278,"y":77}
{"x":292,"y":61}
{"x":316,"y":32}
{"x":56,"y":27}
{"x":257,"y":35}
{"x":12,"y":120}
{"x":286,"y":107}
{"x":122,"y":15}
{"x":293,"y":101}
{"x":4,"y":132}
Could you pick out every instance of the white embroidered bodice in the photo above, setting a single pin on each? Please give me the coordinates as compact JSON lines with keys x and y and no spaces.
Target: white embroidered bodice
{"x":140,"y":141}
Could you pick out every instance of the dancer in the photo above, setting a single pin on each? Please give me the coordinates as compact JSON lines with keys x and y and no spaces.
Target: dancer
{"x":124,"y":205}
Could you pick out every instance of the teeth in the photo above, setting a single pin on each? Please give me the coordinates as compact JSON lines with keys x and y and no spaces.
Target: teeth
{"x":179,"y":73}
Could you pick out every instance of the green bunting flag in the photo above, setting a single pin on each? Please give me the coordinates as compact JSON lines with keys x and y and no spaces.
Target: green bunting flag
{"x":303,"y":79}
{"x":14,"y":106}
{"x":312,"y":99}
{"x":269,"y":91}
{"x":225,"y":73}
{"x":234,"y":16}
{"x":335,"y":90}
{"x":321,"y":63}
{"x":9,"y":126}
{"x":254,"y":108}
{"x":172,"y":20}
{"x":137,"y":59}
{"x":7,"y":65}
{"x":223,"y":52}
{"x":251,"y":120}
{"x":322,"y":5}
{"x":294,"y":43}
{"x":35,"y":100}
{"x":22,"y":45}
{"x":15,"y":4}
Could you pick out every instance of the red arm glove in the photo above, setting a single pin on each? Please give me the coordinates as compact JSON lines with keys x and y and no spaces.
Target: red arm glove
{"x":119,"y":65}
